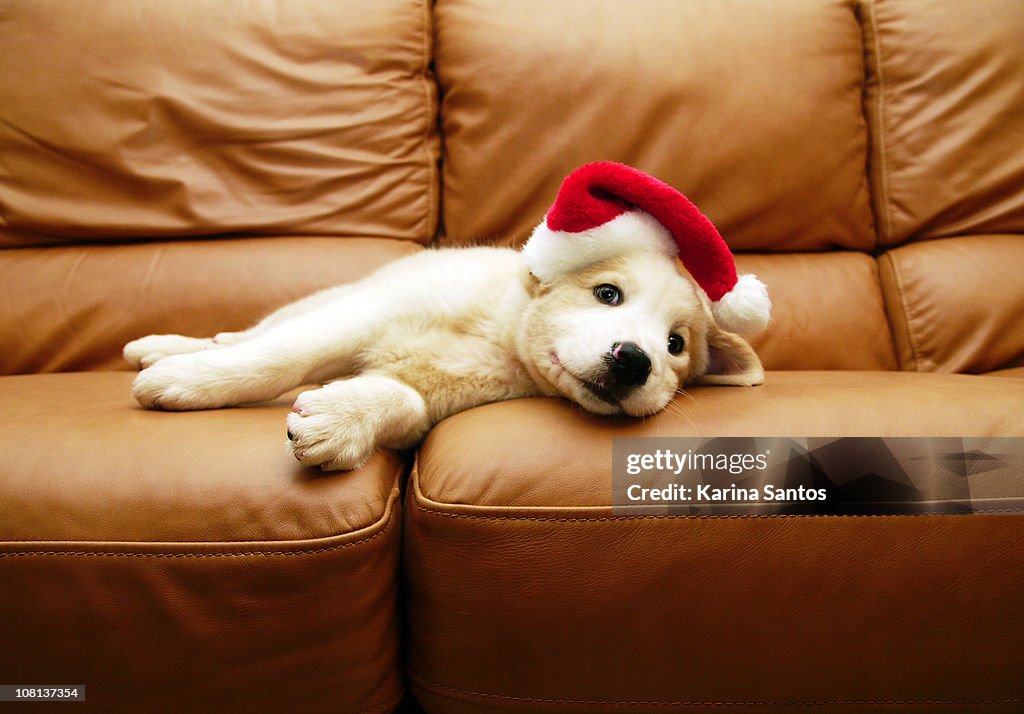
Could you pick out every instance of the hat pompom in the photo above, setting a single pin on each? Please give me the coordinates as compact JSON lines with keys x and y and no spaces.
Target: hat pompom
{"x":746,"y":309}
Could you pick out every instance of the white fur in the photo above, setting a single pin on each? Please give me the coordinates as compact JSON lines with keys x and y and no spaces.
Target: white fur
{"x":746,"y":309}
{"x":440,"y":332}
{"x":340,"y":424}
{"x":147,"y":351}
{"x":552,"y":254}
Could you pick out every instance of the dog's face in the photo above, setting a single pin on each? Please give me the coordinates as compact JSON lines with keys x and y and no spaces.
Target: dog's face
{"x":623,"y":335}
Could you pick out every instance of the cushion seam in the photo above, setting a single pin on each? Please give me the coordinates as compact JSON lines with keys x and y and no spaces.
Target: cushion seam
{"x":884,"y":197}
{"x":382,"y":526}
{"x":908,"y":317}
{"x":900,"y":319}
{"x":430,"y":112}
{"x":435,"y":508}
{"x":889,"y":319}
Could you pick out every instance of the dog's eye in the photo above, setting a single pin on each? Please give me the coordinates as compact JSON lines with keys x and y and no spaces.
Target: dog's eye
{"x":608,"y":294}
{"x":675,"y":344}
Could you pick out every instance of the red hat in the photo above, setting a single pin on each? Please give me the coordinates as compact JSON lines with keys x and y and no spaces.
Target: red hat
{"x":606,"y":209}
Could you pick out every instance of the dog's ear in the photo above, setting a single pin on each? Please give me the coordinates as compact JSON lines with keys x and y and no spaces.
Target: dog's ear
{"x":534,"y":287}
{"x":731,"y":361}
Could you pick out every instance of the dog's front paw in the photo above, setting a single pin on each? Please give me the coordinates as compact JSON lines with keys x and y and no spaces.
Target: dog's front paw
{"x":147,"y":351}
{"x":170,"y":384}
{"x":328,"y":429}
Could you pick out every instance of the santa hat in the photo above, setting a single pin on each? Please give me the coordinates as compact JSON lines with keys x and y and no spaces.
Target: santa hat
{"x":606,"y":209}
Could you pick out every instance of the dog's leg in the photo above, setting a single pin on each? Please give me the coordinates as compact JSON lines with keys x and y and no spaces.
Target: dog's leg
{"x":313,"y":346}
{"x":210,"y":379}
{"x":147,"y":351}
{"x":339,"y":426}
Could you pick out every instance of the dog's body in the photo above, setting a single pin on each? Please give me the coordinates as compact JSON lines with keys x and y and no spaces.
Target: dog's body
{"x":445,"y":330}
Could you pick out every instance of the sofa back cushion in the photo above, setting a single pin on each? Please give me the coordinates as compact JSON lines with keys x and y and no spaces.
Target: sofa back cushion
{"x":167,"y":119}
{"x":946,"y":105}
{"x":753,"y":109}
{"x":72,"y":308}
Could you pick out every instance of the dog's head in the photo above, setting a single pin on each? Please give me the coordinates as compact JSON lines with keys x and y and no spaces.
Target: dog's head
{"x":623,"y":335}
{"x":632,"y":288}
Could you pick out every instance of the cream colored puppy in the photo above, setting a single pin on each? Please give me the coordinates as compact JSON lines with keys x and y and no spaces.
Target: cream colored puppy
{"x":446,"y":330}
{"x":596,"y":308}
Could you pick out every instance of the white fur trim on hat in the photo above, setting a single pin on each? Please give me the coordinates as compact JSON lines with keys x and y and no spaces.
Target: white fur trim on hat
{"x":746,"y":309}
{"x":550,"y":254}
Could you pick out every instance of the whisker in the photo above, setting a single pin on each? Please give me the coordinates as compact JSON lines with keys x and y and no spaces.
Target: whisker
{"x":680,"y":411}
{"x":683,"y":393}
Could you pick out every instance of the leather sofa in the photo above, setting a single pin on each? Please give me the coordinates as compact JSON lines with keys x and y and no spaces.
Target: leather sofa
{"x":185,"y":167}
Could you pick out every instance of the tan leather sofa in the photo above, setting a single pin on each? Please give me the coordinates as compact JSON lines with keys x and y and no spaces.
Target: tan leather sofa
{"x":186,"y":166}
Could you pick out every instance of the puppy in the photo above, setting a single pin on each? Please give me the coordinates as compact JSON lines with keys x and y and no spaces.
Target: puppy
{"x":445,"y":330}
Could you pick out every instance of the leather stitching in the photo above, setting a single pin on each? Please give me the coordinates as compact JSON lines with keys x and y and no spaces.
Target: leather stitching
{"x":215,"y":554}
{"x":732,"y":516}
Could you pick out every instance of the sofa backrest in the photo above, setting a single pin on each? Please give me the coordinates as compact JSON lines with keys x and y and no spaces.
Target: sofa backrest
{"x":861,"y":156}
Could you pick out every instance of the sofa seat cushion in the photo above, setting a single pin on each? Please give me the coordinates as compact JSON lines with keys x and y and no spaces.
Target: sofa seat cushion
{"x":526,"y":591}
{"x":467,"y":458}
{"x":171,"y":560}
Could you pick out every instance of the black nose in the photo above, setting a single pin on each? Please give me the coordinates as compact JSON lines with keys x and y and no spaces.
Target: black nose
{"x":630,"y":365}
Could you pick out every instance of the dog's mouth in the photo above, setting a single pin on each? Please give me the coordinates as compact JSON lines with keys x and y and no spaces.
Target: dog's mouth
{"x":601,"y":393}
{"x":595,"y":388}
